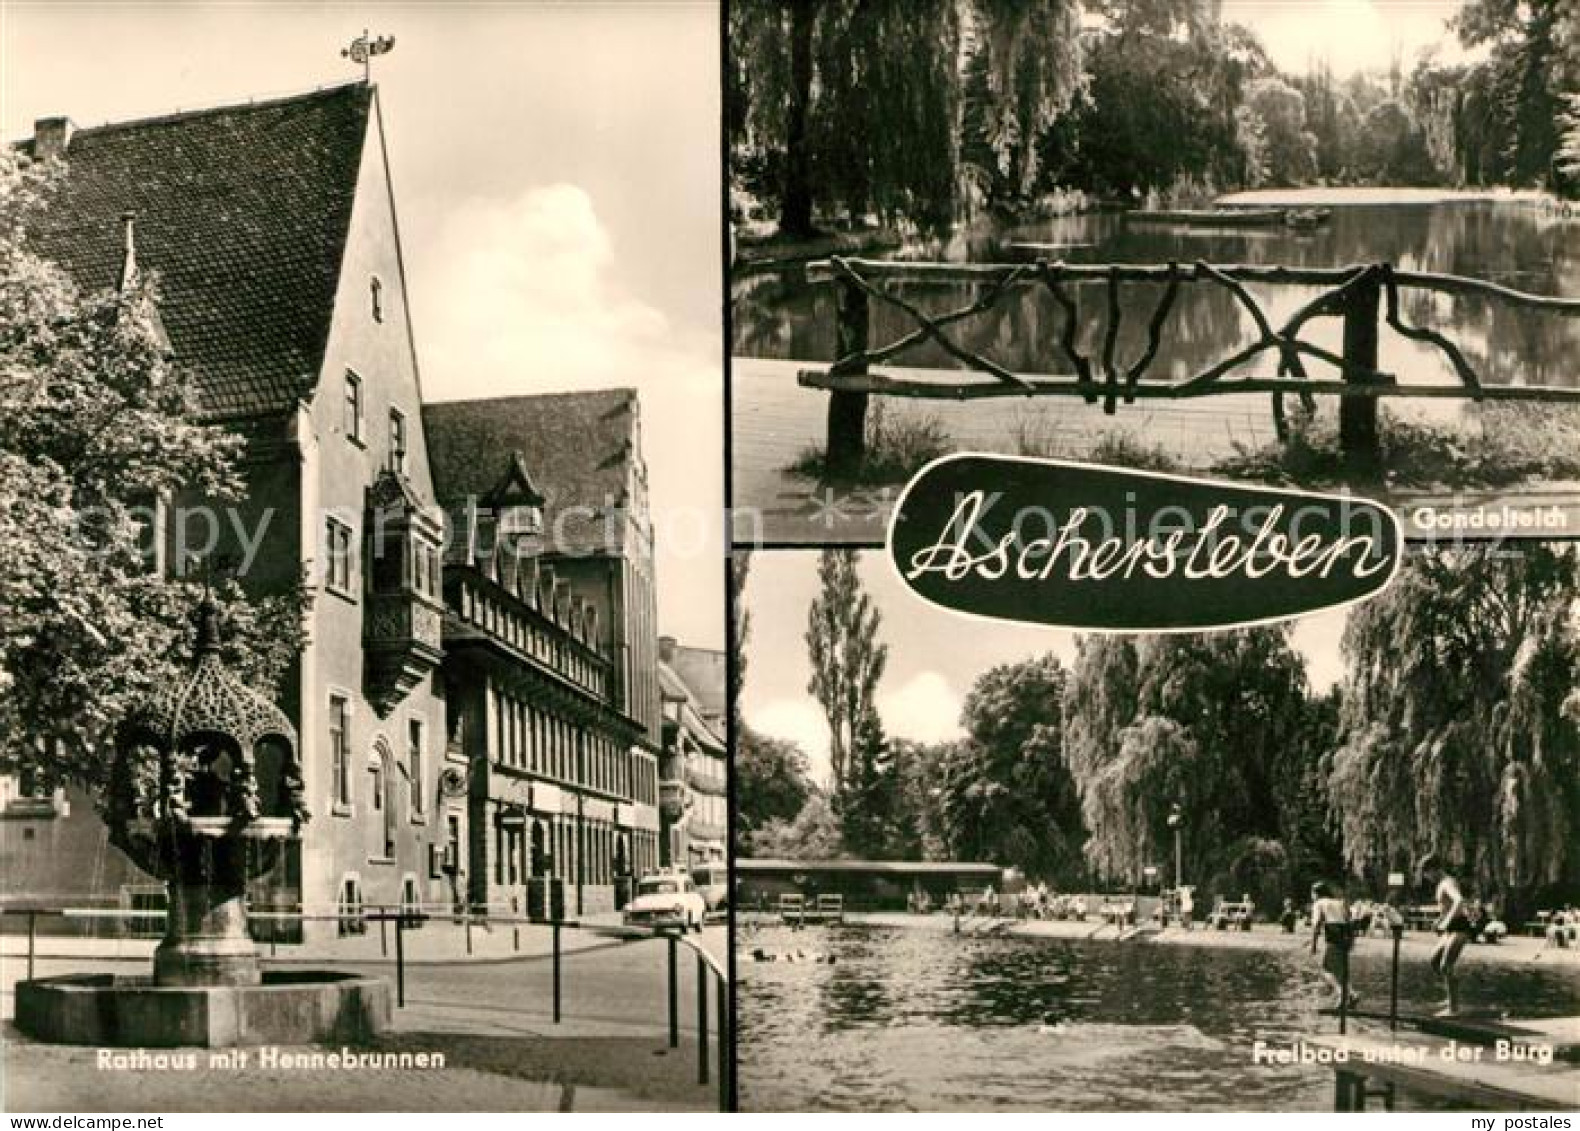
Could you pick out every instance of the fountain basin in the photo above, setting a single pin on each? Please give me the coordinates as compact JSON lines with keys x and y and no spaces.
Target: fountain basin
{"x":287,"y":1007}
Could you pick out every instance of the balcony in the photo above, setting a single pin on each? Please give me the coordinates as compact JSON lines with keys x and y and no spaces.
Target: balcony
{"x":403,"y":620}
{"x":674,"y":799}
{"x":402,"y":640}
{"x":706,"y":776}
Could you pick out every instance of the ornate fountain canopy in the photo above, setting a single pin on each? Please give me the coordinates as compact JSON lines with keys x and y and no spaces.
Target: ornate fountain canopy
{"x":211,"y":701}
{"x":206,"y":756}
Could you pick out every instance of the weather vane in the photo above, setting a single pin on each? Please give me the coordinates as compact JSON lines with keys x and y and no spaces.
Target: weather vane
{"x":363,"y":48}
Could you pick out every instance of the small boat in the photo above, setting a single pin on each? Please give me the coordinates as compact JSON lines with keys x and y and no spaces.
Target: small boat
{"x":1305,"y":219}
{"x":1231,"y":217}
{"x":1209,"y":217}
{"x":1030,"y":246}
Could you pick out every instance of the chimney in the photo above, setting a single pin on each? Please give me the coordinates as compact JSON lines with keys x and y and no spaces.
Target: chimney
{"x":51,"y":136}
{"x":128,"y":250}
{"x":666,"y":649}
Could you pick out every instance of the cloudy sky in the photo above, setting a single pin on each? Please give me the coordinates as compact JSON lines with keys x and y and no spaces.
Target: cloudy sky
{"x":557,"y":181}
{"x":934,"y":656}
{"x":1349,"y":35}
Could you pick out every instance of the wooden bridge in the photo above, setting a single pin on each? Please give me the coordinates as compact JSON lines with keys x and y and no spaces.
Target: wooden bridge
{"x":1365,"y":296}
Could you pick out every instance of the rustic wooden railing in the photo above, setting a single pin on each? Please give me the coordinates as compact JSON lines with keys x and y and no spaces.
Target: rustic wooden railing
{"x":1365,"y":296}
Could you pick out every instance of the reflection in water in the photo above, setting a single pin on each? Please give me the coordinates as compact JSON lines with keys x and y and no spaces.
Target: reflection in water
{"x":927,"y":1020}
{"x":778,"y":315}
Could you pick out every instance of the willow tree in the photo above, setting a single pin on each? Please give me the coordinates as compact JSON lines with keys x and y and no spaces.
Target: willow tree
{"x":1210,"y":723}
{"x":845,"y":105}
{"x":1459,"y":731}
{"x":846,"y":656}
{"x":858,"y":107}
{"x":1025,"y":72}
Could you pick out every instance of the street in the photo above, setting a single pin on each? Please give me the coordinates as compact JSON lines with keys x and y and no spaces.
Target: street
{"x":490,"y":1017}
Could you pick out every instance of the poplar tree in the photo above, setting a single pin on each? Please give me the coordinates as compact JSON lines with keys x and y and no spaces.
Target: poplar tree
{"x":847,"y":658}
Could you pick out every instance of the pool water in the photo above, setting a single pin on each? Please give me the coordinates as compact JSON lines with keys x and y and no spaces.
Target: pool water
{"x":922,"y":1019}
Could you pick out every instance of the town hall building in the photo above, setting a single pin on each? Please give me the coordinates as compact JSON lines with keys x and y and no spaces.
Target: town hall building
{"x":478,"y":701}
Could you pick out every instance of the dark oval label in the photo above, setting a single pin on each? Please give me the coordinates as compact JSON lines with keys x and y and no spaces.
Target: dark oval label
{"x":1104,"y":548}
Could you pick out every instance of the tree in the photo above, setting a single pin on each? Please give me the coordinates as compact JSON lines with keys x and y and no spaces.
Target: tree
{"x":870,"y":106}
{"x":847,"y":658}
{"x":837,"y":104}
{"x":97,"y":423}
{"x":1391,"y":148}
{"x":772,"y":781}
{"x":920,"y":768}
{"x":1024,"y":74}
{"x":1333,"y":120}
{"x":1455,"y":734}
{"x":1291,"y":148}
{"x":1435,"y":98}
{"x":1533,"y":60}
{"x":814,"y":834}
{"x":740,"y":569}
{"x":1166,"y":84}
{"x":1569,"y":148}
{"x":1007,"y":795}
{"x":1206,"y":722}
{"x":875,"y":821}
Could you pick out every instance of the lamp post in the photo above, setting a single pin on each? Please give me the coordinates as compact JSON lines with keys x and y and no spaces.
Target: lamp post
{"x":1176,"y":819}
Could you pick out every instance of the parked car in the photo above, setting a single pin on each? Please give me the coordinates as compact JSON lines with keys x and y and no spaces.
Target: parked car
{"x":666,"y":899}
{"x":713,"y":884}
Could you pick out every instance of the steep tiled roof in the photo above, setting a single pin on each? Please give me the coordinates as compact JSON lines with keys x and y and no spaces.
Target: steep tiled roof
{"x":242,"y":212}
{"x":579,"y":448}
{"x":674,"y":689}
{"x":702,"y":672}
{"x":670,"y":685}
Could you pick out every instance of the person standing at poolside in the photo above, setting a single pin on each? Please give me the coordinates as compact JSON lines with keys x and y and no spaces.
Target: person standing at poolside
{"x":1454,"y":928}
{"x":1330,"y":922}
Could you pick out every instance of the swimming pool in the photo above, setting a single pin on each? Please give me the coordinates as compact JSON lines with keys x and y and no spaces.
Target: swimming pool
{"x":922,"y":1019}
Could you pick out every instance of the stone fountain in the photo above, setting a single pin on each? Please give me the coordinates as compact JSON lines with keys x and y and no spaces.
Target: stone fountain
{"x":205,"y":792}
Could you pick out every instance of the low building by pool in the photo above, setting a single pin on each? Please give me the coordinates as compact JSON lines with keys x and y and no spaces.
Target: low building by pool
{"x":869,"y":885}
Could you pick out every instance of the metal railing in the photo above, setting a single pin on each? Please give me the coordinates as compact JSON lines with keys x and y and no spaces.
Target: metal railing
{"x":1365,"y":296}
{"x":714,"y":1063}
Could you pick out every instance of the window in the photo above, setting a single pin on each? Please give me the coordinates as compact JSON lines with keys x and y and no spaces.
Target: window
{"x":338,"y":548}
{"x":353,"y":421}
{"x":383,"y":794}
{"x":425,"y":569}
{"x":452,"y":842}
{"x":340,"y":748}
{"x":376,"y":298}
{"x":397,"y":441}
{"x":414,"y":763}
{"x":350,"y":909}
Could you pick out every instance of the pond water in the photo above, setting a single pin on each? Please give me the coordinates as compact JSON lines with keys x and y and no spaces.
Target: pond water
{"x":922,"y":1019}
{"x":777,"y":314}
